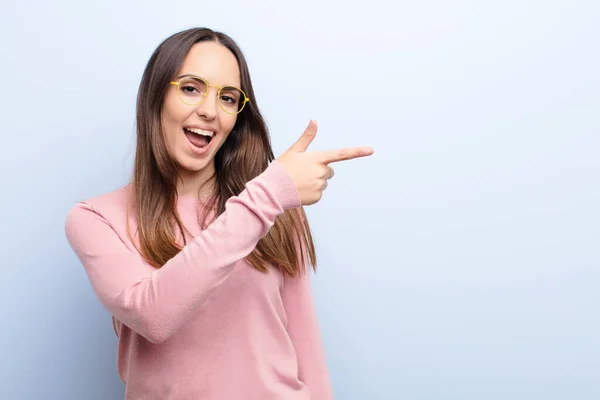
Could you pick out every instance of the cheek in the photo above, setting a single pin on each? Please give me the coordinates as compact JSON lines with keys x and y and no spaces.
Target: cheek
{"x":227,"y":122}
{"x":172,"y":118}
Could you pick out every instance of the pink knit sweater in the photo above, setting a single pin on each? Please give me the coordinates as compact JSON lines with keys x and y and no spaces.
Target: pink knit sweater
{"x":206,"y":325}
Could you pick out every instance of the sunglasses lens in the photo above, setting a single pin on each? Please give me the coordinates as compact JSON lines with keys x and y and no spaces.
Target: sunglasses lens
{"x":192,"y":90}
{"x":231,"y":99}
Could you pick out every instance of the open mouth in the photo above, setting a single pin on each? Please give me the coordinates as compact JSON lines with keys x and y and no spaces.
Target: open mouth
{"x":198,"y":137}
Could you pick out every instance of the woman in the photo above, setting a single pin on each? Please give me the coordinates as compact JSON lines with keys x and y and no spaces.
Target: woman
{"x":202,"y":259}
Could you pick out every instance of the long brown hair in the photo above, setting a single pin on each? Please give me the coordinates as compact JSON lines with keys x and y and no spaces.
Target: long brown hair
{"x":245,"y":154}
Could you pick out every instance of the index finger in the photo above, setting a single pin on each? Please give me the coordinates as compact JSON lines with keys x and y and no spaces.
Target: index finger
{"x":343,"y":154}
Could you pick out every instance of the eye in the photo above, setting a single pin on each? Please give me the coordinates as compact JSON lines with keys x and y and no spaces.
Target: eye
{"x":230,"y":95}
{"x":192,"y":87}
{"x":188,"y":89}
{"x":229,"y":99}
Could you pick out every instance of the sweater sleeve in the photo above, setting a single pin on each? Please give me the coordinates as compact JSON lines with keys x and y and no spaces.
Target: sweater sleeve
{"x":303,"y":328}
{"x":156,"y":302}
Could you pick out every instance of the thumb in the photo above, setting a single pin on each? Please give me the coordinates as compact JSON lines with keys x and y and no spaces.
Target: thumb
{"x":306,"y":139}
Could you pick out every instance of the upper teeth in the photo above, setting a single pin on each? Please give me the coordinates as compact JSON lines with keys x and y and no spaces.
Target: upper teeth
{"x":201,"y":132}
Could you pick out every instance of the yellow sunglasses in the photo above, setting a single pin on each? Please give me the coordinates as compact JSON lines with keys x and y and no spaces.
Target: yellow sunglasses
{"x":192,"y":90}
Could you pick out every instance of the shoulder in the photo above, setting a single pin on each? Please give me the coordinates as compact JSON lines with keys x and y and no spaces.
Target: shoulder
{"x":111,"y":209}
{"x":111,"y":204}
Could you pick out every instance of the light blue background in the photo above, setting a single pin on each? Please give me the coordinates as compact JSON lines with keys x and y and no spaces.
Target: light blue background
{"x":461,"y":261}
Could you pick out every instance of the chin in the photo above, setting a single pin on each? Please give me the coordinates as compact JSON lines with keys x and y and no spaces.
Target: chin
{"x":192,"y":165}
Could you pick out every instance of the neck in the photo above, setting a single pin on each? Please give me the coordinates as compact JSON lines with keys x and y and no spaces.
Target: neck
{"x":196,"y":183}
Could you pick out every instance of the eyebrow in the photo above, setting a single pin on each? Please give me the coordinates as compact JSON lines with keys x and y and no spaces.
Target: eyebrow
{"x":196,"y":76}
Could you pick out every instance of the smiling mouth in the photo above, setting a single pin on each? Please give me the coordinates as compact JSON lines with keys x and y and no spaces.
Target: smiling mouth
{"x":198,"y":137}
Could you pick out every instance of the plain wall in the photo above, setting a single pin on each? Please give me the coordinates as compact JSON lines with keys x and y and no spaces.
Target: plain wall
{"x":461,"y":261}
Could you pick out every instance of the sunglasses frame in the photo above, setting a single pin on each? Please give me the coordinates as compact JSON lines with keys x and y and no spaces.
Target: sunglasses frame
{"x":208,"y":85}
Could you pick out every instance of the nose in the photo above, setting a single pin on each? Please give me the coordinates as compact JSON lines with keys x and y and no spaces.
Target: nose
{"x":208,"y":107}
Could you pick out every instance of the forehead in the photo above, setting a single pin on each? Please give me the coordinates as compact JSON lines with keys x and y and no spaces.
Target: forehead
{"x":213,"y":62}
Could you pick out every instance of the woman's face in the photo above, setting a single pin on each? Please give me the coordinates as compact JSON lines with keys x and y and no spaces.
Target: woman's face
{"x":218,"y":66}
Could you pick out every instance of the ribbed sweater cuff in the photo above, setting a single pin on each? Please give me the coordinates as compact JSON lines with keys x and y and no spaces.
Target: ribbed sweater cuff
{"x":283,"y":186}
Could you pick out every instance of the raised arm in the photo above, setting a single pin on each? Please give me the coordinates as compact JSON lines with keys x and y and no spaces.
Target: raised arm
{"x":156,"y":302}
